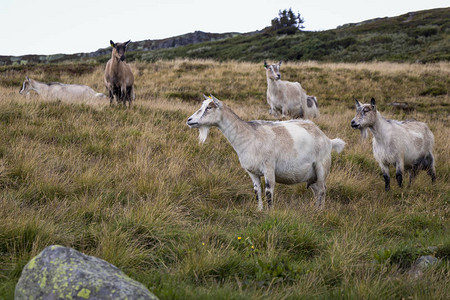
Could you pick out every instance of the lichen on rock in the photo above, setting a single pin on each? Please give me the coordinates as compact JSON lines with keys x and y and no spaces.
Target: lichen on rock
{"x":64,"y":273}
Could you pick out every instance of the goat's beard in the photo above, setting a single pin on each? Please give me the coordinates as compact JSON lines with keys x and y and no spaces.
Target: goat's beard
{"x":364,"y":133}
{"x":203,"y":134}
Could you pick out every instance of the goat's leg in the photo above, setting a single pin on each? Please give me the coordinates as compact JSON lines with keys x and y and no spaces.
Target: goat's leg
{"x":283,"y":112}
{"x":130,"y":94}
{"x":273,"y":111}
{"x":412,"y":174}
{"x":127,"y":98}
{"x":111,"y":97}
{"x":387,"y":178}
{"x":257,"y":187}
{"x":301,"y":113}
{"x":431,"y":169}
{"x":269,"y":177}
{"x":318,"y":189}
{"x":116,"y":94}
{"x":123,"y":96}
{"x":399,"y":168}
{"x":319,"y":186}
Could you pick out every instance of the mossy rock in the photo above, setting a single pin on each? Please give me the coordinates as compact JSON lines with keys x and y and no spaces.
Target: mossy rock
{"x":64,"y":273}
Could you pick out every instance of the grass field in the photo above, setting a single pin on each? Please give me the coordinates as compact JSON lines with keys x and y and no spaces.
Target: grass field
{"x":134,"y":187}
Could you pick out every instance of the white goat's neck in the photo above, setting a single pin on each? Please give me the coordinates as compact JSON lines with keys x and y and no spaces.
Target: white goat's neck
{"x":39,"y":87}
{"x":238,"y":132}
{"x":380,"y":129}
{"x":272,"y":85}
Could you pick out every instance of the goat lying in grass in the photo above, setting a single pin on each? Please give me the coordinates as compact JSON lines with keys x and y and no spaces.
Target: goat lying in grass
{"x":60,"y":91}
{"x":405,"y":144}
{"x":286,"y":152}
{"x":286,"y":97}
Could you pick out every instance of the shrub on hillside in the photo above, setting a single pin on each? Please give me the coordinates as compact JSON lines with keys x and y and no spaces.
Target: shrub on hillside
{"x":287,"y":22}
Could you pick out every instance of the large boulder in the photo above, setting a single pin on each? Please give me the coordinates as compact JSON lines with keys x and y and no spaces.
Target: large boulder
{"x":64,"y":273}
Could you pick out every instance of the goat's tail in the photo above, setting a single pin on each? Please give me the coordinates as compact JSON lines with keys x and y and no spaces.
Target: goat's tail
{"x":337,"y":145}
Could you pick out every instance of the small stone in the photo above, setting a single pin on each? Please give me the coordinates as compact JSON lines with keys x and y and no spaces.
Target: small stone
{"x":421,"y":264}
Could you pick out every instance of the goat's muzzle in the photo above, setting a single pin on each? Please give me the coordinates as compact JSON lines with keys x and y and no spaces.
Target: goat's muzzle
{"x":355,"y":125}
{"x":122,"y":58}
{"x":191,"y":124}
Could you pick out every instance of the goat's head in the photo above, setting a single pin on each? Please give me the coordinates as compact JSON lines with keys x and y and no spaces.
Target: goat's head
{"x":26,"y":86}
{"x":273,"y":70}
{"x":209,"y":114}
{"x":119,"y":49}
{"x":366,"y":115}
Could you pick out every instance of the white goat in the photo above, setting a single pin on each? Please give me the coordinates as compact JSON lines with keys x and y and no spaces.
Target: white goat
{"x":60,"y":91}
{"x":287,"y":152}
{"x":286,"y":97}
{"x":405,"y":144}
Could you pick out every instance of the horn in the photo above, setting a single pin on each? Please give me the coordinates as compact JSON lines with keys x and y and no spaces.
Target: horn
{"x":216,"y":101}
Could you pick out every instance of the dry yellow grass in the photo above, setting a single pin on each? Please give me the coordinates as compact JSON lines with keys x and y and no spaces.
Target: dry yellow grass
{"x":134,"y":187}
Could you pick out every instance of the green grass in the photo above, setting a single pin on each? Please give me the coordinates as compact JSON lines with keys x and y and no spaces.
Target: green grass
{"x":134,"y":187}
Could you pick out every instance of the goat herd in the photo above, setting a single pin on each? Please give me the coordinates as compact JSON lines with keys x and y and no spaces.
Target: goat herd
{"x":287,"y":152}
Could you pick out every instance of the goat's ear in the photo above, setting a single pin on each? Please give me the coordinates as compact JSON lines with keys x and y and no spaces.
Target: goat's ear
{"x":126,"y":44}
{"x":265,"y":65}
{"x":279,"y":63}
{"x":217,"y":102}
{"x":372,"y":103}
{"x":358,"y":104}
{"x":27,"y":78}
{"x":112,"y":43}
{"x":206,"y":97}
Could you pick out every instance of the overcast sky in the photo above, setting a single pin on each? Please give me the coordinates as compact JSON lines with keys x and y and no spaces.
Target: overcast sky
{"x":59,"y":26}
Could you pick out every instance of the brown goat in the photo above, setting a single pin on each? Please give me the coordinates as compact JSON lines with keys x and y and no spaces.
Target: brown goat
{"x":119,"y":79}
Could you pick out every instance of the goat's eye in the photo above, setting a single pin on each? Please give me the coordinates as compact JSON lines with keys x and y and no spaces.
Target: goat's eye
{"x":208,"y":108}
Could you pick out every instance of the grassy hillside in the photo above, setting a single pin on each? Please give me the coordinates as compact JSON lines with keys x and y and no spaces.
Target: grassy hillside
{"x":135,"y":188}
{"x":422,"y":36}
